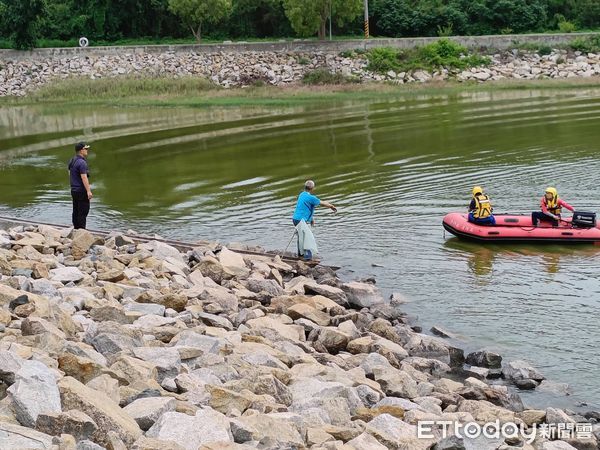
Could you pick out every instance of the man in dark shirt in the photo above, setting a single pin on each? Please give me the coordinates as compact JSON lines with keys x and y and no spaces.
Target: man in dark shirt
{"x":81,"y":191}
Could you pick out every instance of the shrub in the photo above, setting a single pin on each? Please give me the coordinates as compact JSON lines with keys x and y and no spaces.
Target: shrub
{"x":586,"y":45}
{"x":566,"y":27}
{"x":446,"y":31}
{"x":442,"y":53}
{"x":384,"y":59}
{"x":323,"y":76}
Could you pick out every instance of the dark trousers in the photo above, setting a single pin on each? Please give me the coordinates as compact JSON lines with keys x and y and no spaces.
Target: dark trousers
{"x":536,"y":216}
{"x":491,"y":220}
{"x":81,"y":208}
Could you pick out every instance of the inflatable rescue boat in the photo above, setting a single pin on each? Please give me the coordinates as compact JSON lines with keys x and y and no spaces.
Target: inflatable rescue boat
{"x":582,"y":228}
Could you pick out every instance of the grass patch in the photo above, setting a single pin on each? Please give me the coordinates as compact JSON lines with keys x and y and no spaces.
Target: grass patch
{"x":533,"y":47}
{"x":442,"y":53}
{"x":81,"y":89}
{"x":325,"y":77}
{"x":177,"y":93}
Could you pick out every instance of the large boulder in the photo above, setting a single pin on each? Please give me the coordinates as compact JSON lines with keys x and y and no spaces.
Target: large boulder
{"x":484,"y":358}
{"x":207,"y":427}
{"x":396,"y":383}
{"x":161,"y":251}
{"x":103,"y":411}
{"x":521,"y":370}
{"x":82,"y":241}
{"x":362,"y":295}
{"x":233,"y":262}
{"x":34,"y":392}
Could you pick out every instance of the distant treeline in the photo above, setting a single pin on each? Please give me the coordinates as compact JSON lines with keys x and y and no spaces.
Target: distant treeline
{"x":26,"y":21}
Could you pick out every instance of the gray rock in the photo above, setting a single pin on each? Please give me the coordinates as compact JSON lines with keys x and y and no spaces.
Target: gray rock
{"x":44,"y":287}
{"x":166,"y":360}
{"x":365,"y":441}
{"x":145,"y":308}
{"x":111,"y":343}
{"x":332,"y":293}
{"x":526,"y":384}
{"x":66,"y":275}
{"x":191,"y":432}
{"x":520,"y":370}
{"x":363,"y":295}
{"x":368,"y":395}
{"x":34,"y":392}
{"x":161,"y":251}
{"x":450,"y":443}
{"x":333,"y":339}
{"x":241,"y":432}
{"x":9,"y":366}
{"x":18,"y":437}
{"x":484,"y":358}
{"x":557,"y":445}
{"x":207,"y":344}
{"x":89,"y":445}
{"x":146,"y":411}
{"x":396,"y":383}
{"x":269,"y":286}
{"x":395,"y":433}
{"x":555,"y":416}
{"x":214,"y":321}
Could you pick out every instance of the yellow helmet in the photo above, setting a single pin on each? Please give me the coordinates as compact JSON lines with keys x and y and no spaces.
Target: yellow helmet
{"x":477,"y":190}
{"x":553,"y":191}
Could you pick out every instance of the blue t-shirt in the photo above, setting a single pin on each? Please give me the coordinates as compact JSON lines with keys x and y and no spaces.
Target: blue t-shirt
{"x":77,"y":167}
{"x":306,"y":206}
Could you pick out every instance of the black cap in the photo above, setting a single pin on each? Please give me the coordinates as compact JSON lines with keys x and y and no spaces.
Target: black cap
{"x":80,"y":146}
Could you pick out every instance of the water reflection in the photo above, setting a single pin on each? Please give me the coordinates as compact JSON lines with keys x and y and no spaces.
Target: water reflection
{"x":480,"y":259}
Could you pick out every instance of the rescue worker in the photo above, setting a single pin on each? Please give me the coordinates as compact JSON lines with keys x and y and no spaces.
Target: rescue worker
{"x":551,"y":206}
{"x":480,"y":208}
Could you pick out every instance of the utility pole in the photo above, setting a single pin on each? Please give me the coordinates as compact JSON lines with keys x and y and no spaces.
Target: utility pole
{"x":366,"y":19}
{"x":330,"y":18}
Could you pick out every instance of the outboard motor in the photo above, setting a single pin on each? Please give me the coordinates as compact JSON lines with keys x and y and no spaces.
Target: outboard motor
{"x":584,"y":219}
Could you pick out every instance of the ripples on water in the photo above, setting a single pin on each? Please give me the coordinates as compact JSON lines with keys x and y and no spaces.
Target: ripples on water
{"x":393,"y":167}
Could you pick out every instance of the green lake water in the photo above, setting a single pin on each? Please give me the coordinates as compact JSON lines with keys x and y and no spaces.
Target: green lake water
{"x":393,"y":167}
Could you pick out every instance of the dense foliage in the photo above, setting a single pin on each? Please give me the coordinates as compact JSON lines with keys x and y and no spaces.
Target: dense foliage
{"x":443,"y":53}
{"x":24,"y":21}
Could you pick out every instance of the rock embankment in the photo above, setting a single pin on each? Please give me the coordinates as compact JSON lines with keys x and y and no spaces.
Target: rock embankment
{"x":110,"y":344}
{"x":228,"y":69}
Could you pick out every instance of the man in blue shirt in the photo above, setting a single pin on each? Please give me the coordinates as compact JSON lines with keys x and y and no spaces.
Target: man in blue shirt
{"x":305,"y":208}
{"x":81,"y":192}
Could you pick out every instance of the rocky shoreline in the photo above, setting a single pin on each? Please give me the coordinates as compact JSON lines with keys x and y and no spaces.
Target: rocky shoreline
{"x":106,"y":343}
{"x":227,"y":69}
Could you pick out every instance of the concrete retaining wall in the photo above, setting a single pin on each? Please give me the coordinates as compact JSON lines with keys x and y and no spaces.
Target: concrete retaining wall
{"x":499,"y":42}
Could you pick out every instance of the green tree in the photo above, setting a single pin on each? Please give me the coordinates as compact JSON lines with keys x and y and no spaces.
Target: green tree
{"x":310,"y":16}
{"x":194,"y":13}
{"x":23,"y":18}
